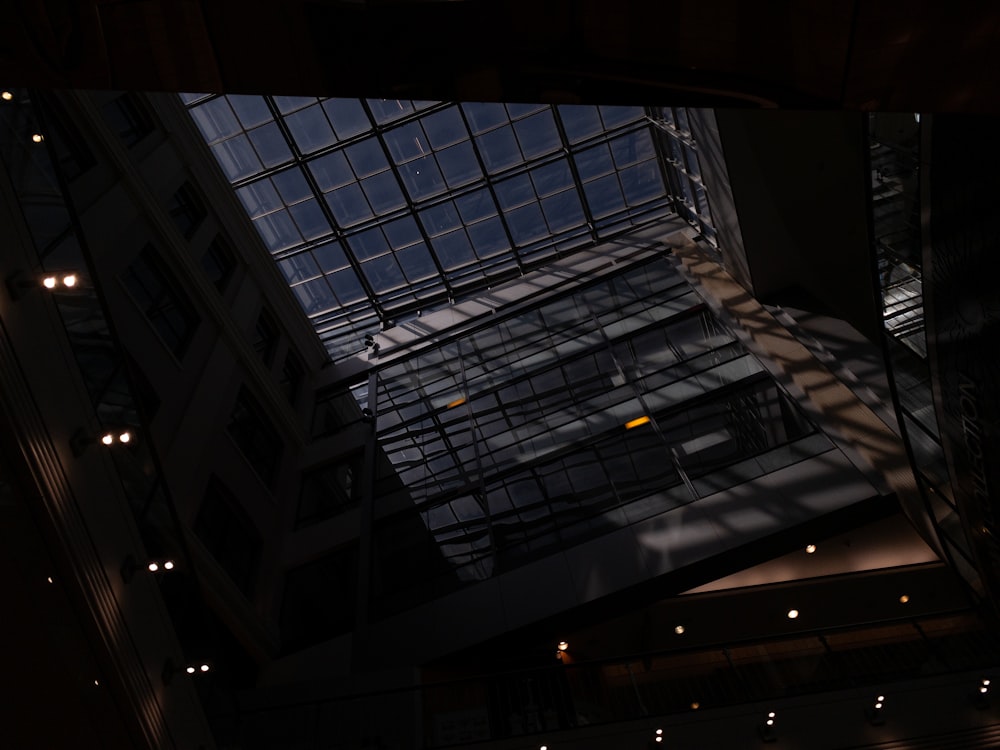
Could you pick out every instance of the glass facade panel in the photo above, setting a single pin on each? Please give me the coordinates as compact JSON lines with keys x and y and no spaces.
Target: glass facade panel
{"x":521,"y":439}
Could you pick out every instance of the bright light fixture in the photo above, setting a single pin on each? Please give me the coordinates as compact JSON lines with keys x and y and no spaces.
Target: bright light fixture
{"x":679,"y":630}
{"x":457,"y":402}
{"x":125,"y":437}
{"x":69,"y":280}
{"x":904,"y":599}
{"x":190,"y":670}
{"x":563,"y":645}
{"x":6,"y":96}
{"x":695,"y":705}
{"x":810,"y":548}
{"x":107,"y":438}
{"x":792,"y":614}
{"x":153,"y":567}
{"x":37,"y":138}
{"x":204,"y":667}
{"x":49,"y":282}
{"x":168,"y":565}
{"x":637,"y":422}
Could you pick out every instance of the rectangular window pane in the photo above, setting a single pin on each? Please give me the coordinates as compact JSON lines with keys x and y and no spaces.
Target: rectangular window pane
{"x":158,"y":294}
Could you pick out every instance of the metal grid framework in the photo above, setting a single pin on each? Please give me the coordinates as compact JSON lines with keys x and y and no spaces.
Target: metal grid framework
{"x":376,"y":210}
{"x":588,"y":412}
{"x":683,"y":167}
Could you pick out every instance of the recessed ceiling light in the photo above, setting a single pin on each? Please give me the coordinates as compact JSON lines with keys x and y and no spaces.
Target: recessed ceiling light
{"x":792,"y":614}
{"x":904,"y":599}
{"x":679,"y":630}
{"x":810,"y":548}
{"x":563,"y":645}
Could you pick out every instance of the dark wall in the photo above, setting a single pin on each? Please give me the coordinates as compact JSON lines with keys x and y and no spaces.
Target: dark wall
{"x":798,"y":182}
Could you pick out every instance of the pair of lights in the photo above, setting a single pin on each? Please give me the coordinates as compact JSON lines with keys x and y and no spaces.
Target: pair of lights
{"x":170,"y":670}
{"x":768,"y":729}
{"x":874,"y":714}
{"x":109,"y":438}
{"x":984,"y":686}
{"x":155,"y":566}
{"x":20,"y":283}
{"x":68,"y":280}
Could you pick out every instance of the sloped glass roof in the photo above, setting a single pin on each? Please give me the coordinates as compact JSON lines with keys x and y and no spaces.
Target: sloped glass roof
{"x":378,"y":209}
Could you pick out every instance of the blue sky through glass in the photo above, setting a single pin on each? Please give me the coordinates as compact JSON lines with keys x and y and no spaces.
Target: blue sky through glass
{"x":377,"y":209}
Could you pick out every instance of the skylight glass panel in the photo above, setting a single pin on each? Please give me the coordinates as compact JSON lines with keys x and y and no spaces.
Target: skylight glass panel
{"x":407,"y":206}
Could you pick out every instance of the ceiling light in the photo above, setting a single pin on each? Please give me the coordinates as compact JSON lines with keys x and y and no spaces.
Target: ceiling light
{"x":679,"y":630}
{"x":69,"y":280}
{"x":637,"y":422}
{"x":810,"y":548}
{"x":457,"y":402}
{"x":168,"y":565}
{"x":563,"y":645}
{"x":107,"y":438}
{"x":792,"y":614}
{"x":153,"y":567}
{"x":190,"y":670}
{"x":49,"y":282}
{"x":904,"y":599}
{"x":50,"y":579}
{"x":204,"y":667}
{"x":659,"y":731}
{"x":6,"y":96}
{"x":37,"y":138}
{"x":124,"y":437}
{"x":695,"y":705}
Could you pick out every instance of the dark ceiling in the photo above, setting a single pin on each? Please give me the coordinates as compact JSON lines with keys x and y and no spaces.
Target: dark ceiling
{"x":894,"y":55}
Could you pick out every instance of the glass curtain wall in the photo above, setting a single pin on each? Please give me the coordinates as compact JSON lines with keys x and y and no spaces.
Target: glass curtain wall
{"x":586,"y":413}
{"x":894,"y":166}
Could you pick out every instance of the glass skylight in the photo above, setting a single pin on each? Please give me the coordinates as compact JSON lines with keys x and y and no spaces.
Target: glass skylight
{"x":378,"y":209}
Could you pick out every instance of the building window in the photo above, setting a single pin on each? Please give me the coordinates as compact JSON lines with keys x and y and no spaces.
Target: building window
{"x":218,"y":263}
{"x":320,"y":599}
{"x":291,"y":376}
{"x":333,"y":412}
{"x":329,"y":490}
{"x":128,"y":118}
{"x":227,"y":532}
{"x":71,"y":153}
{"x":255,"y":436}
{"x":159,"y":296}
{"x":265,"y":336}
{"x":187,"y":210}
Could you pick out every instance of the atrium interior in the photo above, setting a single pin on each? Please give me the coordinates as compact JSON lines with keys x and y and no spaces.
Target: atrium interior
{"x":389,"y":423}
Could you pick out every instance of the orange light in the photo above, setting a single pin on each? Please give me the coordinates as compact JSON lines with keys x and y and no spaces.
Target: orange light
{"x":638,"y":421}
{"x":457,"y":402}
